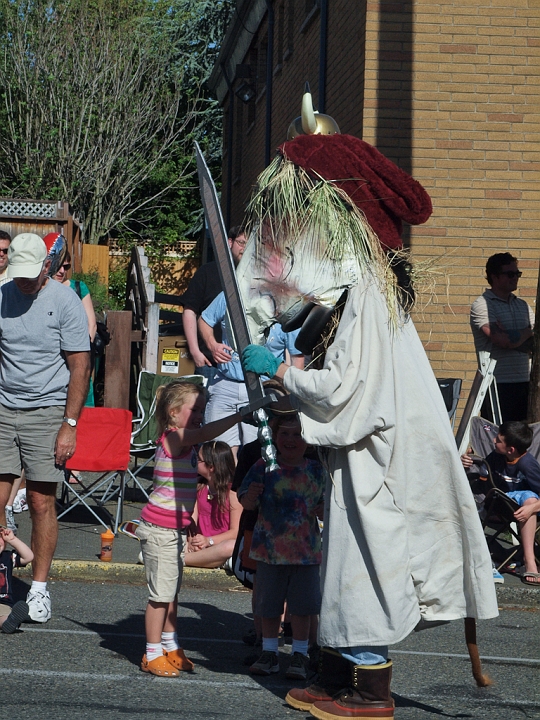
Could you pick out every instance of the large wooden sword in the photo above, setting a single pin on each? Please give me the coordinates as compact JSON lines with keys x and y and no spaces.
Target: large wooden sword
{"x":237,"y":315}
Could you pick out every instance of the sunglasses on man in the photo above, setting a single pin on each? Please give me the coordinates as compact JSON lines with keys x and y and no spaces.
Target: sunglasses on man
{"x":4,"y":251}
{"x":511,"y":274}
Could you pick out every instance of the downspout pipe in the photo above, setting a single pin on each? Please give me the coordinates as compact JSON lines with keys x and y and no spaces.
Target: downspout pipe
{"x":323,"y":51}
{"x":269,"y":80}
{"x":230,"y":139}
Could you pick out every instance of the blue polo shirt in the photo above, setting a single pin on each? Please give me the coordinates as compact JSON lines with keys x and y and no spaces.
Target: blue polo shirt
{"x":278,"y":341}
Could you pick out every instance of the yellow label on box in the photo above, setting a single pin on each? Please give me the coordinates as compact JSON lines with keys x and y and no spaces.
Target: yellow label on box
{"x":170,"y":360}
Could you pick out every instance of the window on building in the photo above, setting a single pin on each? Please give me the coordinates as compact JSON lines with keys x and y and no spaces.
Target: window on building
{"x":289,"y":47}
{"x":312,"y":8}
{"x":238,"y":141}
{"x":261,"y":65}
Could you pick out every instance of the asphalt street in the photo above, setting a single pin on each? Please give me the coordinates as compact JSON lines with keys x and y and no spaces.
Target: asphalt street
{"x":84,"y":663}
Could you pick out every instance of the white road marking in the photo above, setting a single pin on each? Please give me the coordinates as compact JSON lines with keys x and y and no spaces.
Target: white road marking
{"x":463,"y":656}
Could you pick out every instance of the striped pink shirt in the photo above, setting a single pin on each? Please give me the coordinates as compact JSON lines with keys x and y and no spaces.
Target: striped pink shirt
{"x":173,"y":496}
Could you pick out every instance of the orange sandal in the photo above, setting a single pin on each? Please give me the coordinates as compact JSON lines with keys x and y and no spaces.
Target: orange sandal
{"x":178,"y":659}
{"x":160,"y":666}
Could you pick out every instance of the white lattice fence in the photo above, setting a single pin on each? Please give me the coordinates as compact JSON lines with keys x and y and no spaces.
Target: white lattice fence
{"x":28,"y":208}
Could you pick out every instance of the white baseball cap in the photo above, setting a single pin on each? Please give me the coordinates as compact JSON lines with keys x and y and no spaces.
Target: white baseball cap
{"x":26,"y":255}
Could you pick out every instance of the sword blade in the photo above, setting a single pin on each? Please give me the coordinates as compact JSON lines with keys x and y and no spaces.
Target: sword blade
{"x":218,"y":236}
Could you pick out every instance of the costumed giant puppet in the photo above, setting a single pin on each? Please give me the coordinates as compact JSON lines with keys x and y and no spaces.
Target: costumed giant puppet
{"x":404,"y":548}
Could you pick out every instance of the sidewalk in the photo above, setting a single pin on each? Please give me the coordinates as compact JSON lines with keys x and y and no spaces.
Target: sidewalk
{"x":79,"y":545}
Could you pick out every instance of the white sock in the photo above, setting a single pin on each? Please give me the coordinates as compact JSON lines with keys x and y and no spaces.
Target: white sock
{"x":299,"y":646}
{"x":153,"y":651}
{"x":9,"y":507}
{"x":270,"y":644}
{"x":39,"y":586}
{"x":169,"y":641}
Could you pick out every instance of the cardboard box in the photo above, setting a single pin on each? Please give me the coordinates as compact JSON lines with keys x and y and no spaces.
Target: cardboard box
{"x":174,"y":357}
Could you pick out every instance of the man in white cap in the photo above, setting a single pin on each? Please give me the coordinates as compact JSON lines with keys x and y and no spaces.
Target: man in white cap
{"x":44,"y":372}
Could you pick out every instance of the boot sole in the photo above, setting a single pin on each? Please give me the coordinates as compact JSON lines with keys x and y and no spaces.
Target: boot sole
{"x":297,"y":704}
{"x":369,"y":715}
{"x":17,"y":616}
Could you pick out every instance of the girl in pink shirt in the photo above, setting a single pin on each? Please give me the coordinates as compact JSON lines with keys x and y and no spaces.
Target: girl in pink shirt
{"x":217,"y":510}
{"x":167,"y":517}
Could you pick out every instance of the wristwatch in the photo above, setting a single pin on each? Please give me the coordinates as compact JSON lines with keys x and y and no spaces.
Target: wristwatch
{"x":70,"y":421}
{"x":210,"y":541}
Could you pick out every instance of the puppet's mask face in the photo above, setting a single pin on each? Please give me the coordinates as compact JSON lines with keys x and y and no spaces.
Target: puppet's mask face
{"x":278,"y":278}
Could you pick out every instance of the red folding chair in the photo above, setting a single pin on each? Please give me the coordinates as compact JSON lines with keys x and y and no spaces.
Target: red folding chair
{"x":103,"y":446}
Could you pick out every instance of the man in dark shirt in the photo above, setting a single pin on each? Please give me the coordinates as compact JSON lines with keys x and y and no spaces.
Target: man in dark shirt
{"x":204,"y":286}
{"x":517,"y":473}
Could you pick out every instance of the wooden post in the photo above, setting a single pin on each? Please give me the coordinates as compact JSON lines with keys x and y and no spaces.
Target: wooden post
{"x":534,"y":387}
{"x":118,"y":360}
{"x":150,"y":358}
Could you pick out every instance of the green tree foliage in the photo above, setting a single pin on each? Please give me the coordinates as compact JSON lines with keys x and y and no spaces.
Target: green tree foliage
{"x":99,"y":103}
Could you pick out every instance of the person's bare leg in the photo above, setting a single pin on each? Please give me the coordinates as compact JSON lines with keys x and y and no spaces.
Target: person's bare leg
{"x":171,"y":617}
{"x":41,"y":497}
{"x":270,"y":627}
{"x":6,"y":482}
{"x":155,"y":619}
{"x":527,"y":531}
{"x":210,"y":557}
{"x":300,"y":626}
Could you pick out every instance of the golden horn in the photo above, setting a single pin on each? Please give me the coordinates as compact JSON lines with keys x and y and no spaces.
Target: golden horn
{"x":309,"y":123}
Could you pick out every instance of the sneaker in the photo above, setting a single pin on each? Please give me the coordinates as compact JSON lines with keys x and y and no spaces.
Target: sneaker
{"x":19,"y":503}
{"x":10,"y":520}
{"x":267,"y":664}
{"x":39,"y":606}
{"x":497,"y":577}
{"x":18,"y":615}
{"x":298,"y":667}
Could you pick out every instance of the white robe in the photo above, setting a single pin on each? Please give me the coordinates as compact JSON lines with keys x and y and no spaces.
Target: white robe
{"x":402,"y":537}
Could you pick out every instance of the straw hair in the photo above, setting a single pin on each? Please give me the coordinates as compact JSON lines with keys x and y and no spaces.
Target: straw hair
{"x":171,"y":397}
{"x":292,"y":207}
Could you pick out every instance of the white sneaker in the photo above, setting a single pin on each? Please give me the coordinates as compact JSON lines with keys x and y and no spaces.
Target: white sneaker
{"x":10,"y":520}
{"x":497,"y":577}
{"x":19,"y":503}
{"x":39,"y":605}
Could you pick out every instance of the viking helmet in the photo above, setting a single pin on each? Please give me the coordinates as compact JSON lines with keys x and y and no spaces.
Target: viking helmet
{"x":310,"y":121}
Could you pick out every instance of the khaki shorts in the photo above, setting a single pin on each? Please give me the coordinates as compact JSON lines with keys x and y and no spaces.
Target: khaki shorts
{"x":162,"y":554}
{"x":5,"y":610}
{"x":27,"y":440}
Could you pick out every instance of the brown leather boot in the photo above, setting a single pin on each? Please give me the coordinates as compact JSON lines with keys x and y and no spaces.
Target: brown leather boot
{"x":368,"y":697}
{"x":334,"y":674}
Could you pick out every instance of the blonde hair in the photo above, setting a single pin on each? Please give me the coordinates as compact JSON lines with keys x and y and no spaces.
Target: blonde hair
{"x":172,"y":397}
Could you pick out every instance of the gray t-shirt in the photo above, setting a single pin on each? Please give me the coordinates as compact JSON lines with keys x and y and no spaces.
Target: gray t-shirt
{"x":34,"y":332}
{"x":513,"y":314}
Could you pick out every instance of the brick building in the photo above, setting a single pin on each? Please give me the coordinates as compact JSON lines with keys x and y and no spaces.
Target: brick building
{"x":447,"y":90}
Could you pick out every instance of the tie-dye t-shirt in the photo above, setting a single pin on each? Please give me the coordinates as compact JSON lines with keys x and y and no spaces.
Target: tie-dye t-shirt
{"x":287,"y":530}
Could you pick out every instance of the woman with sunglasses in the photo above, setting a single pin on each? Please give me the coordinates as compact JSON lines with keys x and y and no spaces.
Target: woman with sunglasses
{"x":502,"y":325}
{"x":81,"y":289}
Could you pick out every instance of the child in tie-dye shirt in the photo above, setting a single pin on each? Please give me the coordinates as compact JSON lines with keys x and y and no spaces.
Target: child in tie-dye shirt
{"x":286,"y":544}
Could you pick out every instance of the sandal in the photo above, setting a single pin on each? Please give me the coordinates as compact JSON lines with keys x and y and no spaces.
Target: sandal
{"x":160,"y":666}
{"x":178,"y":659}
{"x":535,"y":582}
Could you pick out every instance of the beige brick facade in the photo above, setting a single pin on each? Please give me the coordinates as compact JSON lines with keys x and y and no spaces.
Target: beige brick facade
{"x":449,"y":91}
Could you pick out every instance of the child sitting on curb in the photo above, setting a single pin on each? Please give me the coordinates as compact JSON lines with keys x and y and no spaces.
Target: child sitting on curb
{"x":517,"y":473}
{"x":286,"y":545}
{"x":11,"y":615}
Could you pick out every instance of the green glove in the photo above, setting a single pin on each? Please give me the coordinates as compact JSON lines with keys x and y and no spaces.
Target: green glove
{"x":259,"y":360}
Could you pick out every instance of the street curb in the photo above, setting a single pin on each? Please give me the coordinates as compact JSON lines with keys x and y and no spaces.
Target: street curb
{"x":97,"y":571}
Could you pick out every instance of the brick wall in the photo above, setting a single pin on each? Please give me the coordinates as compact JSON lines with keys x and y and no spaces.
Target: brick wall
{"x":449,"y":91}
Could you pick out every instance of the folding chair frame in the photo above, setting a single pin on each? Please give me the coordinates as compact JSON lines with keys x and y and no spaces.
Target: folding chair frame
{"x":106,"y":481}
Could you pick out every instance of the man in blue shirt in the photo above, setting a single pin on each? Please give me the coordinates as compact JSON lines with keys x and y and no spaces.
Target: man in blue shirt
{"x":227,"y":390}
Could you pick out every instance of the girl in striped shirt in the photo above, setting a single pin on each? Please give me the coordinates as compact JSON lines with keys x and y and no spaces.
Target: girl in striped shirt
{"x":166,"y":519}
